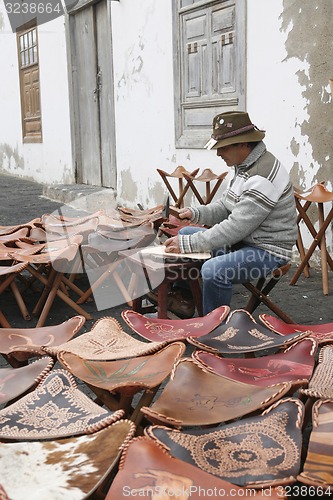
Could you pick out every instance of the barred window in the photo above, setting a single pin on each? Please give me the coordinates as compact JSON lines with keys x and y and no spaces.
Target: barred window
{"x":27,"y":43}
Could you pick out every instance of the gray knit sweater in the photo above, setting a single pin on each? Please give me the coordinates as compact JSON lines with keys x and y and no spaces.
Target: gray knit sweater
{"x":257,"y":209}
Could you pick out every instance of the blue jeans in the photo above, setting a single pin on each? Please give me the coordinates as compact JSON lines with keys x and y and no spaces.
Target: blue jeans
{"x":228,"y":266}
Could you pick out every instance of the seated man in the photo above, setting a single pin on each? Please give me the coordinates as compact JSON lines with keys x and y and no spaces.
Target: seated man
{"x":252,"y":228}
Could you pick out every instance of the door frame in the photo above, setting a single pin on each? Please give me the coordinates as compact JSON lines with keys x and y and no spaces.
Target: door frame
{"x":73,"y":101}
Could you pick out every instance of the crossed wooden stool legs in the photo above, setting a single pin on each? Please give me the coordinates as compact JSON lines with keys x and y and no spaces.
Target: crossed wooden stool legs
{"x":260,"y":291}
{"x":207,"y":177}
{"x":319,"y":195}
{"x":178,"y":173}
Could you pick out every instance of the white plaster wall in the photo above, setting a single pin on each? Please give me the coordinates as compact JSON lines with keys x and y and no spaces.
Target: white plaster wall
{"x":10,"y":115}
{"x":144,"y":114}
{"x":50,"y":161}
{"x":56,"y":156}
{"x":274,"y":95}
{"x":144,"y":101}
{"x":143,"y":69}
{"x":143,"y":74}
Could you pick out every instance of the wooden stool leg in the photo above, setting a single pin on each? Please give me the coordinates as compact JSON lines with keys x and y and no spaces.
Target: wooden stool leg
{"x":324,"y":267}
{"x":20,"y":301}
{"x":195,"y":191}
{"x":197,"y":295}
{"x":301,"y":250}
{"x":3,"y":321}
{"x":49,"y":300}
{"x":312,"y":247}
{"x":137,"y":305}
{"x":254,"y":301}
{"x":46,"y":290}
{"x":214,"y":191}
{"x":302,"y":215}
{"x":162,"y":311}
{"x":273,"y":307}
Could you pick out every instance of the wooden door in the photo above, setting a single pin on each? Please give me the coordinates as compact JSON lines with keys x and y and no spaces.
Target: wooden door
{"x":93,"y":103}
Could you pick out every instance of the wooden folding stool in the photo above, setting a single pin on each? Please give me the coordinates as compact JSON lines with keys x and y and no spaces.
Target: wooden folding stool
{"x":208,"y":177}
{"x":178,"y":173}
{"x":318,"y":195}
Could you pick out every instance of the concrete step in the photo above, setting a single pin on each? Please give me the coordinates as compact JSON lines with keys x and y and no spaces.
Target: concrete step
{"x":82,"y":196}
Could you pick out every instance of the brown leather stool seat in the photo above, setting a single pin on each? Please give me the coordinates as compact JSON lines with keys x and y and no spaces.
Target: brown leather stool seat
{"x":322,"y":332}
{"x":258,"y":451}
{"x":146,"y":466}
{"x":16,"y":381}
{"x":155,"y":329}
{"x":195,"y":397}
{"x":318,"y":467}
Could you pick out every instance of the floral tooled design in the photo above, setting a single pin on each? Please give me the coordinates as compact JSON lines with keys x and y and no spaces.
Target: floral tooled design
{"x":163,"y":330}
{"x":228,"y":334}
{"x":250,"y":449}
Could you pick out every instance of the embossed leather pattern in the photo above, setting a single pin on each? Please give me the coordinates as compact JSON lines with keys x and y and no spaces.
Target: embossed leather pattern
{"x":262,"y":450}
{"x":155,"y":329}
{"x":19,"y":342}
{"x":106,"y":341}
{"x":294,"y":365}
{"x":131,"y":374}
{"x":241,"y":334}
{"x":147,"y":469}
{"x":321,"y":383}
{"x":194,"y":396}
{"x":55,"y":409}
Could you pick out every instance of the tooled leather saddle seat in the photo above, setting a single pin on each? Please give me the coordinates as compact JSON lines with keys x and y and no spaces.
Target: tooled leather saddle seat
{"x":257,"y":451}
{"x":242,"y":334}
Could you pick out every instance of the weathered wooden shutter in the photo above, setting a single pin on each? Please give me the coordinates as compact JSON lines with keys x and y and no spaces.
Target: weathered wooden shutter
{"x":210,"y":65}
{"x":223,"y":50}
{"x":195,"y":55}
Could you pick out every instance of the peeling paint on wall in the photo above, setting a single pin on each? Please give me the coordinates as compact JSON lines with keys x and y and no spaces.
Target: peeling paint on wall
{"x":128,"y":188}
{"x":132,"y":71}
{"x":309,"y":27}
{"x":10,"y":160}
{"x":2,"y":22}
{"x":157,"y":193}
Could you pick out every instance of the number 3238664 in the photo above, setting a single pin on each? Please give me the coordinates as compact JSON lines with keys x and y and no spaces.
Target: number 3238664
{"x":306,"y":491}
{"x":34,"y":8}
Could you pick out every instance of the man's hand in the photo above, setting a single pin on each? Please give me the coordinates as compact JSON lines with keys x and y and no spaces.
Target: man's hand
{"x":172,"y":245}
{"x":185,"y":213}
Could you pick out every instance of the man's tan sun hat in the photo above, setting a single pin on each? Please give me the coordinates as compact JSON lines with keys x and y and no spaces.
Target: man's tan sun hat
{"x":233,"y":127}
